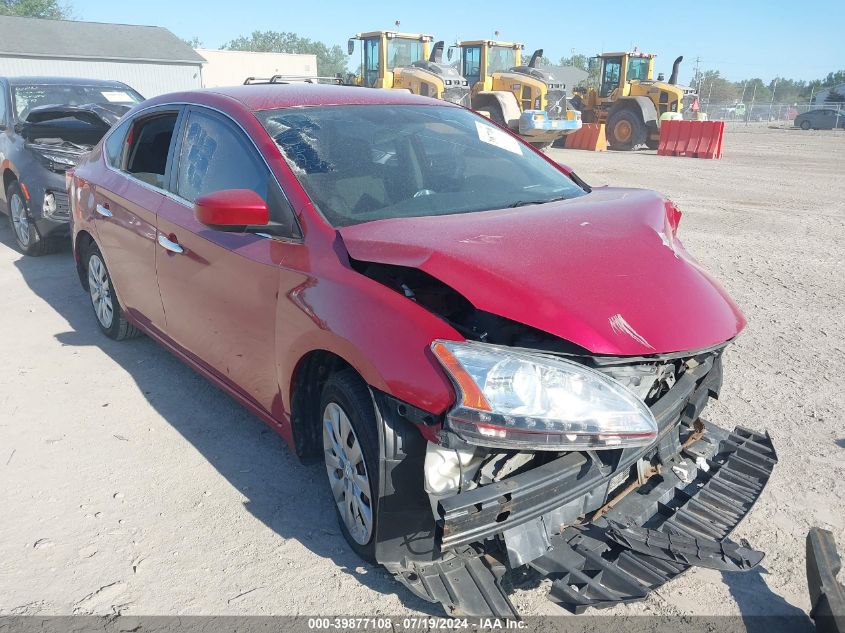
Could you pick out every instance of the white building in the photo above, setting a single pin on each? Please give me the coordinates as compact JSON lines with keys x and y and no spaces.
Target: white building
{"x":232,"y":68}
{"x":150,"y":59}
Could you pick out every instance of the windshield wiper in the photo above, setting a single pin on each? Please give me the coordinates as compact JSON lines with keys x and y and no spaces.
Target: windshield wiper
{"x":523,"y":203}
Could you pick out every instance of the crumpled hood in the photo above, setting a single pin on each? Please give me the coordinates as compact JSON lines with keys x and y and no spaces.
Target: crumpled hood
{"x":603,"y":271}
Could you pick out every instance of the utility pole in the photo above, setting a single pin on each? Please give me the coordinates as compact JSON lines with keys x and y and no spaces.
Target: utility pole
{"x":772,"y":104}
{"x":697,"y":75}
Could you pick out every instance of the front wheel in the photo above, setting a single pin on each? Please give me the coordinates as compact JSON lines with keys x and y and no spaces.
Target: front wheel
{"x":107,"y":308}
{"x":27,"y":237}
{"x":350,"y":449}
{"x":626,"y":130}
{"x":805,"y":125}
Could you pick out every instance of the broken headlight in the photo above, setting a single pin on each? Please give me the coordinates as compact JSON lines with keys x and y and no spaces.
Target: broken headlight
{"x":515,"y":399}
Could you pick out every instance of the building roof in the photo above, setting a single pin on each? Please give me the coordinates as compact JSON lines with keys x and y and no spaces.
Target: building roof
{"x":34,"y":37}
{"x":271,"y":96}
{"x":570,"y":76}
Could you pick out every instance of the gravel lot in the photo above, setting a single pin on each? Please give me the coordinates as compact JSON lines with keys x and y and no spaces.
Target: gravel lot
{"x":128,"y":484}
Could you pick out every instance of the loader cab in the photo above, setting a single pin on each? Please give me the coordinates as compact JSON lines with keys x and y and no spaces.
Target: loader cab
{"x":617,"y":69}
{"x":384,"y":51}
{"x":480,"y":59}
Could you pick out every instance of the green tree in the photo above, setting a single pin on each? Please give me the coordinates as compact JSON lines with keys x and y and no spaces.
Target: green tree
{"x":717,"y":89}
{"x":50,"y":9}
{"x":577,"y":60}
{"x":330,"y":60}
{"x":194,"y":42}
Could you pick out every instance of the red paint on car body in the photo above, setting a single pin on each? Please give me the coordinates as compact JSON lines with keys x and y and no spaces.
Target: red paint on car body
{"x":245,"y":310}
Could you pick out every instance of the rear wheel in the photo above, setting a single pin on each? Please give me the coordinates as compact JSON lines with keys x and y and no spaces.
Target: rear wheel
{"x":350,"y":449}
{"x":626,"y":130}
{"x":107,"y":308}
{"x":27,"y":237}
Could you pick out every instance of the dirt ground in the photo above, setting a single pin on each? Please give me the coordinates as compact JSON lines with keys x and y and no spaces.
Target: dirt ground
{"x":128,"y":484}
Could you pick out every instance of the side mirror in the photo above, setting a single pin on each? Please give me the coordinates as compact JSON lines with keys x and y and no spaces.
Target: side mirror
{"x":231,"y":210}
{"x":350,"y":46}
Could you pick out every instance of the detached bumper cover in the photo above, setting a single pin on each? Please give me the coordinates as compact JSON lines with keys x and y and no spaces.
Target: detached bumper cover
{"x":588,"y":565}
{"x":590,"y":568}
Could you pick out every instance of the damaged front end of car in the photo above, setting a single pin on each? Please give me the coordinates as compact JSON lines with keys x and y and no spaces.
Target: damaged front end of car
{"x":606,"y":524}
{"x":575,"y":446}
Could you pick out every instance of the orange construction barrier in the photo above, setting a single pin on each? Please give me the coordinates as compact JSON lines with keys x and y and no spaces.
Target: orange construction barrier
{"x":591,"y":137}
{"x":696,"y":139}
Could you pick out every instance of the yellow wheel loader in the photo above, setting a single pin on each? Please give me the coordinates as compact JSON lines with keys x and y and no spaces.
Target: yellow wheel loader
{"x":524,"y":98}
{"x":408,"y":61}
{"x":630,"y":102}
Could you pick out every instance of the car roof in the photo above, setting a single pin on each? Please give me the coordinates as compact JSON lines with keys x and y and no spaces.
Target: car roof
{"x":257,"y":97}
{"x":64,"y":81}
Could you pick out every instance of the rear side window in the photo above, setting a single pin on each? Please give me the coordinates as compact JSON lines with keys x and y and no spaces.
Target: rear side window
{"x":113,"y":147}
{"x":148,"y":147}
{"x":215,"y":156}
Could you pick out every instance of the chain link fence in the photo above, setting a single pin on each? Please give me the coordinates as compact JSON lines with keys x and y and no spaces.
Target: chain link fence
{"x":764,"y":112}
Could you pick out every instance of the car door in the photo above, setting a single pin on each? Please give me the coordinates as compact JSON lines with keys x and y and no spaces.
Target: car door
{"x":220,"y":289}
{"x":138,"y":154}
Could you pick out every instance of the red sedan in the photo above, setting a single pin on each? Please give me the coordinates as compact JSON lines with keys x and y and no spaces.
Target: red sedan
{"x":488,"y":354}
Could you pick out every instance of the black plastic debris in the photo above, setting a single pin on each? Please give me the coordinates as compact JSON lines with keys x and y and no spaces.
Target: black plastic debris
{"x":724,"y":555}
{"x":827,"y":595}
{"x":466,"y":584}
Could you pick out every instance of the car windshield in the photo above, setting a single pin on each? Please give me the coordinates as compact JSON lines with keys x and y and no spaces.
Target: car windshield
{"x":360,"y":163}
{"x":31,"y":96}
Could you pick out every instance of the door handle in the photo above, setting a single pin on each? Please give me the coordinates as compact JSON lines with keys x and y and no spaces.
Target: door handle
{"x":169,"y":245}
{"x":103,"y":210}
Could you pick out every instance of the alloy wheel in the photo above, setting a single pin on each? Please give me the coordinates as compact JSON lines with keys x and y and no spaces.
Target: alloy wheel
{"x":347,"y":473}
{"x":100,"y":289}
{"x":20,"y":219}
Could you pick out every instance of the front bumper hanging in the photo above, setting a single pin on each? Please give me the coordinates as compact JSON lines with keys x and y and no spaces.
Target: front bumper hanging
{"x":678,"y":518}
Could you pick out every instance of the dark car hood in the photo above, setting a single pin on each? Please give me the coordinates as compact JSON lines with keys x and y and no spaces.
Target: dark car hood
{"x":603,"y":271}
{"x":82,"y":125}
{"x":92,"y":113}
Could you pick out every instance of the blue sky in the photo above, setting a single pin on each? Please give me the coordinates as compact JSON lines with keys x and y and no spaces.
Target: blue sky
{"x":749,"y":38}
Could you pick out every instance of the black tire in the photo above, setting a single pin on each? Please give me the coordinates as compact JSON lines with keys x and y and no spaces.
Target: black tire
{"x":347,"y":390}
{"x":29,"y":240}
{"x":805,"y":125}
{"x":99,"y":280}
{"x":626,"y":130}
